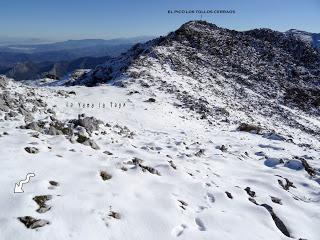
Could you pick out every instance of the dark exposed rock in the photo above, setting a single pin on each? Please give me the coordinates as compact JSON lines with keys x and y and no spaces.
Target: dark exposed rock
{"x":27,"y":115}
{"x":108,"y":153}
{"x":35,"y":135}
{"x":53,"y":131}
{"x":82,"y":138}
{"x":3,"y":82}
{"x":114,"y":214}
{"x":199,"y":153}
{"x":59,"y":128}
{"x":32,"y":150}
{"x":12,"y":114}
{"x":149,"y":169}
{"x":10,"y":99}
{"x":91,"y":143}
{"x":124,"y":131}
{"x":133,"y":92}
{"x":244,"y":127}
{"x":280,"y":225}
{"x":51,"y":76}
{"x":51,"y":111}
{"x":253,"y":200}
{"x":276,"y":200}
{"x":105,"y":176}
{"x":136,"y":161}
{"x":286,"y":186}
{"x":151,"y":100}
{"x":229,"y":195}
{"x":172,"y":164}
{"x":53,"y":183}
{"x":3,"y":105}
{"x":222,"y":148}
{"x":123,"y":168}
{"x":37,"y":126}
{"x":41,"y":201}
{"x":310,"y":170}
{"x":33,"y":223}
{"x":89,"y":123}
{"x":38,"y":102}
{"x":250,"y":192}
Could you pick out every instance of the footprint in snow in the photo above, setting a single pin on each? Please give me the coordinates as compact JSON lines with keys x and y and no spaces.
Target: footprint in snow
{"x":178,"y":230}
{"x":53,"y":185}
{"x":210,"y":198}
{"x":200,"y":209}
{"x":200,"y":224}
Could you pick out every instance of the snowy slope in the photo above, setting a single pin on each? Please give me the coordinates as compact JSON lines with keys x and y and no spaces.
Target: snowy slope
{"x":171,"y":175}
{"x":310,"y":38}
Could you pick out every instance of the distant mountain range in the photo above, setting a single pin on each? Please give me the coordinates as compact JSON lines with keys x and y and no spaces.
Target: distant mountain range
{"x":8,"y":41}
{"x":71,"y":45}
{"x":56,"y":70}
{"x":31,"y":61}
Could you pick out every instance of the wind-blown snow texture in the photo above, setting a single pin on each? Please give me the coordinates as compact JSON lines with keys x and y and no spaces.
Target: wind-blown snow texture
{"x":195,"y":150}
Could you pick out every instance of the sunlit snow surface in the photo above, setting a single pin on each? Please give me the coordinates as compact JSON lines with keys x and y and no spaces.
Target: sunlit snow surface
{"x":187,"y":200}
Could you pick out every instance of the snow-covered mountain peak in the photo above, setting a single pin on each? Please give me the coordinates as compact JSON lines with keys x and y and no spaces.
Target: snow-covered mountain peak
{"x":215,"y":71}
{"x":226,"y":46}
{"x":198,"y":26}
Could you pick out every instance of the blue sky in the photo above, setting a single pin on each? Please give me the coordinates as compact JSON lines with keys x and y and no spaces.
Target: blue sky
{"x":76,"y":19}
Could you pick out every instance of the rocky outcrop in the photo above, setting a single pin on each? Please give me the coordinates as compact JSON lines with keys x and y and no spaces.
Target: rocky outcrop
{"x":76,"y":130}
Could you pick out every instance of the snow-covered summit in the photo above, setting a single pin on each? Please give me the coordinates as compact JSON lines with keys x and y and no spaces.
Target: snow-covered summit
{"x":223,"y":45}
{"x":215,"y":71}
